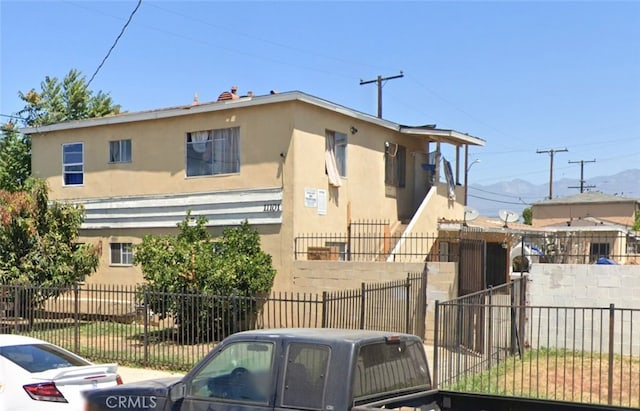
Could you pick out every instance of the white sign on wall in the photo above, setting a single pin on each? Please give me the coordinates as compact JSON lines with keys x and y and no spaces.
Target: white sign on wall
{"x":322,"y":202}
{"x":310,"y":197}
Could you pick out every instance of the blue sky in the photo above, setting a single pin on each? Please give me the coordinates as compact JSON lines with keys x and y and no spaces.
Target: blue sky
{"x":524,"y":76}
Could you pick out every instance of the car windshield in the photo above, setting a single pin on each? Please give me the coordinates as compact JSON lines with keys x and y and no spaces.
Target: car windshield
{"x":40,"y":357}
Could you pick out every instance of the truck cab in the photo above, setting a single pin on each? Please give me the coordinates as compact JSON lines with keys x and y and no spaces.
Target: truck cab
{"x":286,"y":369}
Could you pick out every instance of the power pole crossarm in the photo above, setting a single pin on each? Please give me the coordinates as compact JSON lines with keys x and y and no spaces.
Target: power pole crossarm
{"x":582,"y":181}
{"x":379,"y":81}
{"x":551,"y":154}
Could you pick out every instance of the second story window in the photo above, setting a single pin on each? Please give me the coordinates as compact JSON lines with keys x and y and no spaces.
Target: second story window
{"x":395,"y":163}
{"x":212,"y":152}
{"x":120,"y":151}
{"x":121,"y":254}
{"x":335,"y":156}
{"x":73,"y":164}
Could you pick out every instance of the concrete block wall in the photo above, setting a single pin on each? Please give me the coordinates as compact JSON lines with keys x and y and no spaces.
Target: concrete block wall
{"x":587,"y":290}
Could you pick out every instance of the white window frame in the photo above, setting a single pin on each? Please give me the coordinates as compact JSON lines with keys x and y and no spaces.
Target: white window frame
{"x":216,"y":152}
{"x":124,"y":252}
{"x":341,"y":141}
{"x":71,"y":167}
{"x":120,"y":151}
{"x":335,"y":161}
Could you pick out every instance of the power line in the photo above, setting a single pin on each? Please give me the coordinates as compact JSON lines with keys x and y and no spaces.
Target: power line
{"x":115,"y":42}
{"x":498,"y":194}
{"x":9,"y":116}
{"x":499,"y":201}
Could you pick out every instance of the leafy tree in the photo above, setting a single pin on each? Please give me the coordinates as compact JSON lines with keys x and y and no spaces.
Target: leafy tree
{"x":56,"y":101}
{"x":527,"y":216}
{"x":15,"y":159}
{"x":636,"y":223}
{"x":38,"y":244}
{"x":200,"y":281}
{"x":70,"y":99}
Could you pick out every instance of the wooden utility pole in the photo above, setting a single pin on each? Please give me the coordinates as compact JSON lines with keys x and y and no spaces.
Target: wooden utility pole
{"x":582,"y":186}
{"x":551,"y":153}
{"x":379,"y":81}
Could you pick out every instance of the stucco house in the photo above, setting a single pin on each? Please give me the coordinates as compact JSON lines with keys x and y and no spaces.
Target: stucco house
{"x":590,"y":225}
{"x":565,"y":210}
{"x":288,"y":163}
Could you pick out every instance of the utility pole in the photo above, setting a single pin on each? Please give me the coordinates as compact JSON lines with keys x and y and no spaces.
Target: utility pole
{"x":551,"y":153}
{"x":582,"y":186}
{"x":379,"y":80}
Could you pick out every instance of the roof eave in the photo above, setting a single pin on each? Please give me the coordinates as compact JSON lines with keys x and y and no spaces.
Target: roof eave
{"x":438,"y":134}
{"x":211,"y":107}
{"x":449,"y":135}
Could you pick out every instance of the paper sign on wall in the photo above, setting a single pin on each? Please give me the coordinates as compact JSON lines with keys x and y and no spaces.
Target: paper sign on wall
{"x":310,"y":197}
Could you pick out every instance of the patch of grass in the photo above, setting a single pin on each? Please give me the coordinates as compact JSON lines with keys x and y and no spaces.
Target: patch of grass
{"x":558,"y":375}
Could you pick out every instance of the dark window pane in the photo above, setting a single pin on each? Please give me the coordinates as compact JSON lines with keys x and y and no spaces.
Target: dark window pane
{"x":40,"y":357}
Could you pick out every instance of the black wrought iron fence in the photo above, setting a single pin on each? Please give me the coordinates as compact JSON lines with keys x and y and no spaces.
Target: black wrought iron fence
{"x":583,"y":247}
{"x":398,"y":306}
{"x":124,"y":324}
{"x":493,"y":343}
{"x":364,"y":246}
{"x":373,"y":243}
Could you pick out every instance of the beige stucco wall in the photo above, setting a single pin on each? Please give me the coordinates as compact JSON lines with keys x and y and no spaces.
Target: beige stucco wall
{"x":270,"y":240}
{"x":313,"y":276}
{"x":158,"y":154}
{"x":442,"y":285}
{"x":363,"y":191}
{"x":551,"y":214}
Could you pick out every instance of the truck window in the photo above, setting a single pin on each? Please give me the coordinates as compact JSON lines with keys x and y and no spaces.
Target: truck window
{"x":384,"y":368}
{"x":305,"y":376}
{"x":241,"y":371}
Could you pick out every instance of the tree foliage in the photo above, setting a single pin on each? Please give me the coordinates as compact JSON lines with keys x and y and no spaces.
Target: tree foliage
{"x":38,"y":243}
{"x":67,"y":100}
{"x":527,"y":216}
{"x":15,"y":159}
{"x":196,"y":279}
{"x":636,"y":223}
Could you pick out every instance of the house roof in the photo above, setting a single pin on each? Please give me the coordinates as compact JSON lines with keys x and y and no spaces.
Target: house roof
{"x":488,"y":225}
{"x":591,"y":197}
{"x":588,"y":224}
{"x":425,"y":131}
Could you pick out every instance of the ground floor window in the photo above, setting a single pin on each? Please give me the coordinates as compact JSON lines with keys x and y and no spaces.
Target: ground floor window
{"x":121,"y":254}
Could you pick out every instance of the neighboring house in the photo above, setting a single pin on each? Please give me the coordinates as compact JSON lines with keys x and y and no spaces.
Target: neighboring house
{"x":589,"y":226}
{"x":564,"y":210}
{"x":586,"y":240}
{"x":289,"y":163}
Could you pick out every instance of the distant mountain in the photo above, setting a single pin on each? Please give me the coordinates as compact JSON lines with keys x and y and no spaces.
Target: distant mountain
{"x":516,"y":195}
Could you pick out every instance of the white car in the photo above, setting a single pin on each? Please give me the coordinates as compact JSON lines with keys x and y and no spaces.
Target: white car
{"x":36,"y":375}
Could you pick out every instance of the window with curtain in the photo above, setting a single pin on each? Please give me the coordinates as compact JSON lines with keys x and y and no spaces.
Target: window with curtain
{"x":73,"y":164}
{"x":335,"y":156}
{"x":395,"y":165}
{"x":120,"y":151}
{"x":211,"y":152}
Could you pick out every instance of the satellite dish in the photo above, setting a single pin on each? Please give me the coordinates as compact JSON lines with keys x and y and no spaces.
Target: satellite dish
{"x":508,"y":217}
{"x":470,"y":214}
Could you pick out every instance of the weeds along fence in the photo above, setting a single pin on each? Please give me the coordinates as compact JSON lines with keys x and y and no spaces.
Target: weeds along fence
{"x":491,"y":343}
{"x":137,"y":326}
